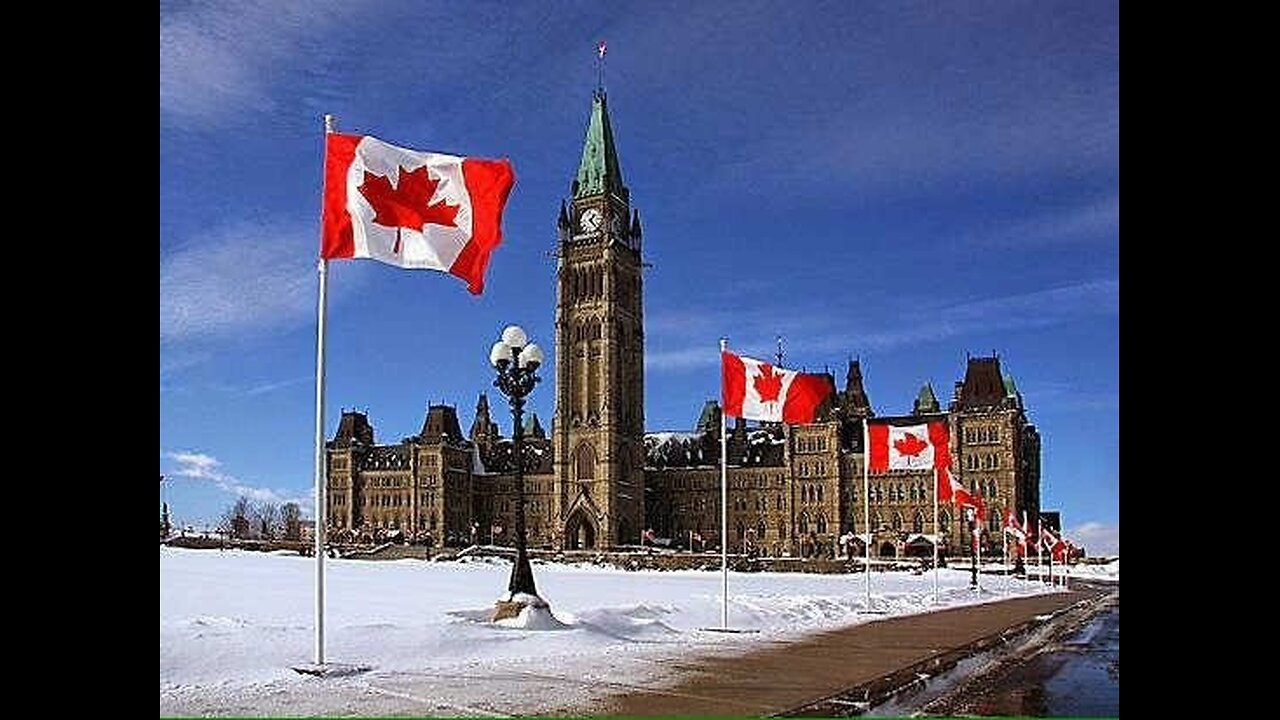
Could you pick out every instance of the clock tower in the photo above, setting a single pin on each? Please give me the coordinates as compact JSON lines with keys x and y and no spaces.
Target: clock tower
{"x":598,"y":429}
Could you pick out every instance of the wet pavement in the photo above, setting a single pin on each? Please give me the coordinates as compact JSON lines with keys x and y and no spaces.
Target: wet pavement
{"x":834,"y":673}
{"x":1069,"y":670}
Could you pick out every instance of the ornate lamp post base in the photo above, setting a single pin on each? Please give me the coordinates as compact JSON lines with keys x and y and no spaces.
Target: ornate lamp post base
{"x":511,"y":605}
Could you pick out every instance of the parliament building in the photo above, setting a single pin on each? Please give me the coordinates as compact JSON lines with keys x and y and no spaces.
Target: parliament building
{"x":598,"y":480}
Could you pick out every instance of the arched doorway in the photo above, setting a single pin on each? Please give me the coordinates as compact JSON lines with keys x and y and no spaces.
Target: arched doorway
{"x":579,"y":532}
{"x":888,"y":550}
{"x":919,"y":547}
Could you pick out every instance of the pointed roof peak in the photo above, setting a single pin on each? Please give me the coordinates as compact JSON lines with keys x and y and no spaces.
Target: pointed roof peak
{"x":599,"y":173}
{"x":533,"y":427}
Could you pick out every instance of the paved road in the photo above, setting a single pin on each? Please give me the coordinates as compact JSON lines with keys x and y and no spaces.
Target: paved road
{"x":786,"y":676}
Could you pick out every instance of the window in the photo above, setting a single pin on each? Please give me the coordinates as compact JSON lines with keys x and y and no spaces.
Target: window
{"x":802,"y":526}
{"x":897,"y":521}
{"x":819,"y":496}
{"x":822,"y":524}
{"x":917,"y":522}
{"x":586,"y":461}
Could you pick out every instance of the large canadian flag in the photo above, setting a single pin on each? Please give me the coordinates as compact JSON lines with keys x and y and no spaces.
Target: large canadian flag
{"x":922,"y":446}
{"x":755,"y":390}
{"x":412,"y":209}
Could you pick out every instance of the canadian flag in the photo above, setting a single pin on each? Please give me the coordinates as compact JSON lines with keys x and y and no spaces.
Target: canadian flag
{"x":1011,"y":527}
{"x":755,"y":390}
{"x":412,"y":209}
{"x":921,"y":446}
{"x":1051,"y":542}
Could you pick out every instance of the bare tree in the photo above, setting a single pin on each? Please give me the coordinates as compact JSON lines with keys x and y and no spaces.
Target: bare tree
{"x":237,"y":520}
{"x":291,"y":520}
{"x":268,"y":517}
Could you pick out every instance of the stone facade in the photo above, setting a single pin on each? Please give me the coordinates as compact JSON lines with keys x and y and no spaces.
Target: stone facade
{"x":600,"y":481}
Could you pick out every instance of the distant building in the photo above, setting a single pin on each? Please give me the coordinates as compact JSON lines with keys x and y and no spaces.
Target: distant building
{"x":599,"y":480}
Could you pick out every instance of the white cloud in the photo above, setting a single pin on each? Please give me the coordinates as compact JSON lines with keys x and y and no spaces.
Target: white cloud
{"x":250,"y":276}
{"x":1098,"y":220}
{"x":263,"y":388}
{"x":1040,"y":308}
{"x":1097,"y":538}
{"x":217,"y":59}
{"x":199,"y":466}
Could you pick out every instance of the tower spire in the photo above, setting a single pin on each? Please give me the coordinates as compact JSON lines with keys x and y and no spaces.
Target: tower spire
{"x":601,"y":48}
{"x":599,"y":172}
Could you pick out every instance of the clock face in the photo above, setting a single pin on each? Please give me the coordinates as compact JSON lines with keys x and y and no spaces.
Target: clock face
{"x":589,"y":222}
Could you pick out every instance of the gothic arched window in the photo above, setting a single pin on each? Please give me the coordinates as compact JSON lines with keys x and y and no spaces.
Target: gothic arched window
{"x":585,"y":459}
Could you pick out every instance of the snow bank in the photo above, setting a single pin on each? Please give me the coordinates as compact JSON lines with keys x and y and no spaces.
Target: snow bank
{"x":233,"y":623}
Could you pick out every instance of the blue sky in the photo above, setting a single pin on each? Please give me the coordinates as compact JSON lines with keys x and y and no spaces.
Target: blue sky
{"x":905,"y":182}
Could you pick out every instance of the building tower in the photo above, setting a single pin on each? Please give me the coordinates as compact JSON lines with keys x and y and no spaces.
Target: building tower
{"x":598,"y":428}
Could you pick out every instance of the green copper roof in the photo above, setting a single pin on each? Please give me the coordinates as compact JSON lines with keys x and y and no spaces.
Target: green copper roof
{"x":1009,"y":388}
{"x":926,"y":396}
{"x":599,"y":172}
{"x":709,"y":419}
{"x":532,"y":427}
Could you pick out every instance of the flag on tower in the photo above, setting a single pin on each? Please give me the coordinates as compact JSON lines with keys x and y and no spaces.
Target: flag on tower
{"x":412,"y":209}
{"x":755,"y":390}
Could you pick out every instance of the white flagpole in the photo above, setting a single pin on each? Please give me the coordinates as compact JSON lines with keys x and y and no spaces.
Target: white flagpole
{"x":1066,"y":570}
{"x":937,"y":535}
{"x":1039,"y":551}
{"x":977,"y":538}
{"x":1050,"y":567}
{"x":724,"y":504}
{"x":866,"y":505}
{"x":1008,"y":567}
{"x":321,"y":312}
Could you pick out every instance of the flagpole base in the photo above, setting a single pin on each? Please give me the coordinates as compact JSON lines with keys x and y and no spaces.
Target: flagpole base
{"x":331,"y":669}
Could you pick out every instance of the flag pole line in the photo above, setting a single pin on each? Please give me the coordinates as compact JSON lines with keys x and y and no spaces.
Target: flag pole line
{"x":937,"y":535}
{"x":866,"y":506}
{"x":724,"y":503}
{"x":1008,"y":568}
{"x":320,"y":520}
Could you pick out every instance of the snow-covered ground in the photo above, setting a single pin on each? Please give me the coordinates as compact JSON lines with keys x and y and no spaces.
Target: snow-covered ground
{"x":233,"y":623}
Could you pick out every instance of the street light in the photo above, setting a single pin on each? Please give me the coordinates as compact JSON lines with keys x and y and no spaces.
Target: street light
{"x":516,"y":361}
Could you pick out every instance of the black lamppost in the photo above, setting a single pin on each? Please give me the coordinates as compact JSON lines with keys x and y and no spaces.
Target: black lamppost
{"x":516,"y":361}
{"x":970,"y":514}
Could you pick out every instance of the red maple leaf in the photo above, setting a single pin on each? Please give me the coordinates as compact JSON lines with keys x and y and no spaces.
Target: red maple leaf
{"x":768,"y":383}
{"x":409,"y":205}
{"x":910,"y":445}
